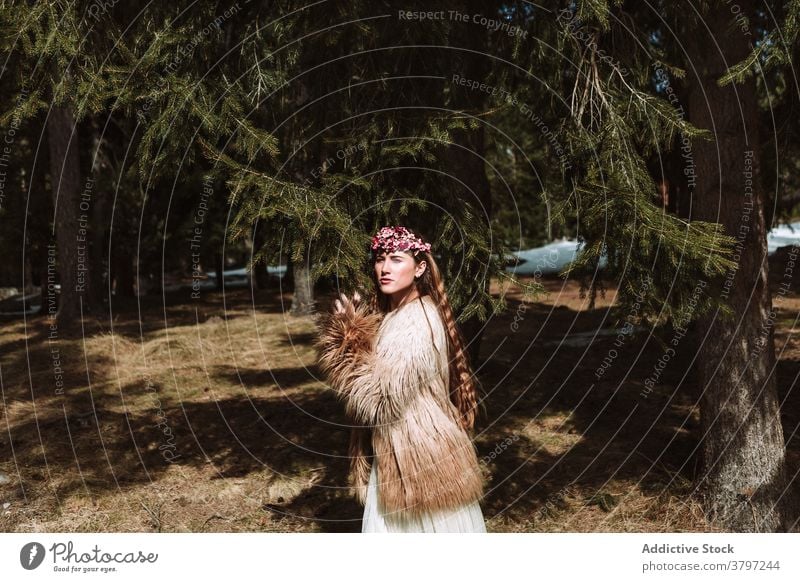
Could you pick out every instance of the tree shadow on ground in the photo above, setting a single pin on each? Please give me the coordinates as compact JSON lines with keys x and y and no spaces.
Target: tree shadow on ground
{"x":106,"y":450}
{"x":570,"y":429}
{"x":609,"y":425}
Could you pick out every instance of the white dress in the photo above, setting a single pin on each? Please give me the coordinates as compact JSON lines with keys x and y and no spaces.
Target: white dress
{"x":465,"y":519}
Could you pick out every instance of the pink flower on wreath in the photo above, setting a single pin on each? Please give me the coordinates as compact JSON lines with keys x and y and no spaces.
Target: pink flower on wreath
{"x":398,"y":238}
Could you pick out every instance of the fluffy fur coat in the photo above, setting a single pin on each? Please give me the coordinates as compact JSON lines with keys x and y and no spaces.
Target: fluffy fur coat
{"x":392,"y":374}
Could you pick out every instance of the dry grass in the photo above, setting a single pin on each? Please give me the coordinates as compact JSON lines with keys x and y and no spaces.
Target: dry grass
{"x":258,"y":443}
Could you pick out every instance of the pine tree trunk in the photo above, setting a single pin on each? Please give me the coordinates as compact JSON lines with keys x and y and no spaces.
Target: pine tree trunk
{"x":303,"y":163}
{"x":27,"y":275}
{"x":40,"y":210}
{"x":260,"y":270}
{"x":465,"y":158}
{"x":303,"y":298}
{"x":62,"y":139}
{"x":122,"y":273}
{"x":97,"y":268}
{"x":465,"y":165}
{"x":743,"y":482}
{"x":220,"y":269}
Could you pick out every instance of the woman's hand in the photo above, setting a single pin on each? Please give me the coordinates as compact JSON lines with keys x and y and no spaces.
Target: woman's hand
{"x":344,"y":304}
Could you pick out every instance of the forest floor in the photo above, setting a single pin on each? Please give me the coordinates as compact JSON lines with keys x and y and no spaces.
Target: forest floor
{"x":209,"y":415}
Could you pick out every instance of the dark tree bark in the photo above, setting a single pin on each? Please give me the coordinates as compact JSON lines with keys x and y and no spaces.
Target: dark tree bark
{"x":743,"y":481}
{"x":98,"y":270}
{"x":465,"y":157}
{"x":122,"y":273}
{"x":40,"y":210}
{"x":99,"y":199}
{"x":260,"y":269}
{"x":65,"y":181}
{"x":220,"y":269}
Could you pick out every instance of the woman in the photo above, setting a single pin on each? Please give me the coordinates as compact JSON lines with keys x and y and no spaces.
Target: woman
{"x":400,"y":367}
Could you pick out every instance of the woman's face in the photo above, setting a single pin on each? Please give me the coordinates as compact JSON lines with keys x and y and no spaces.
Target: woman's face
{"x":395,"y":271}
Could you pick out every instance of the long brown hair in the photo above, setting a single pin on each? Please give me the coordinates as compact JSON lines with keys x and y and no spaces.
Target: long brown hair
{"x":462,"y":386}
